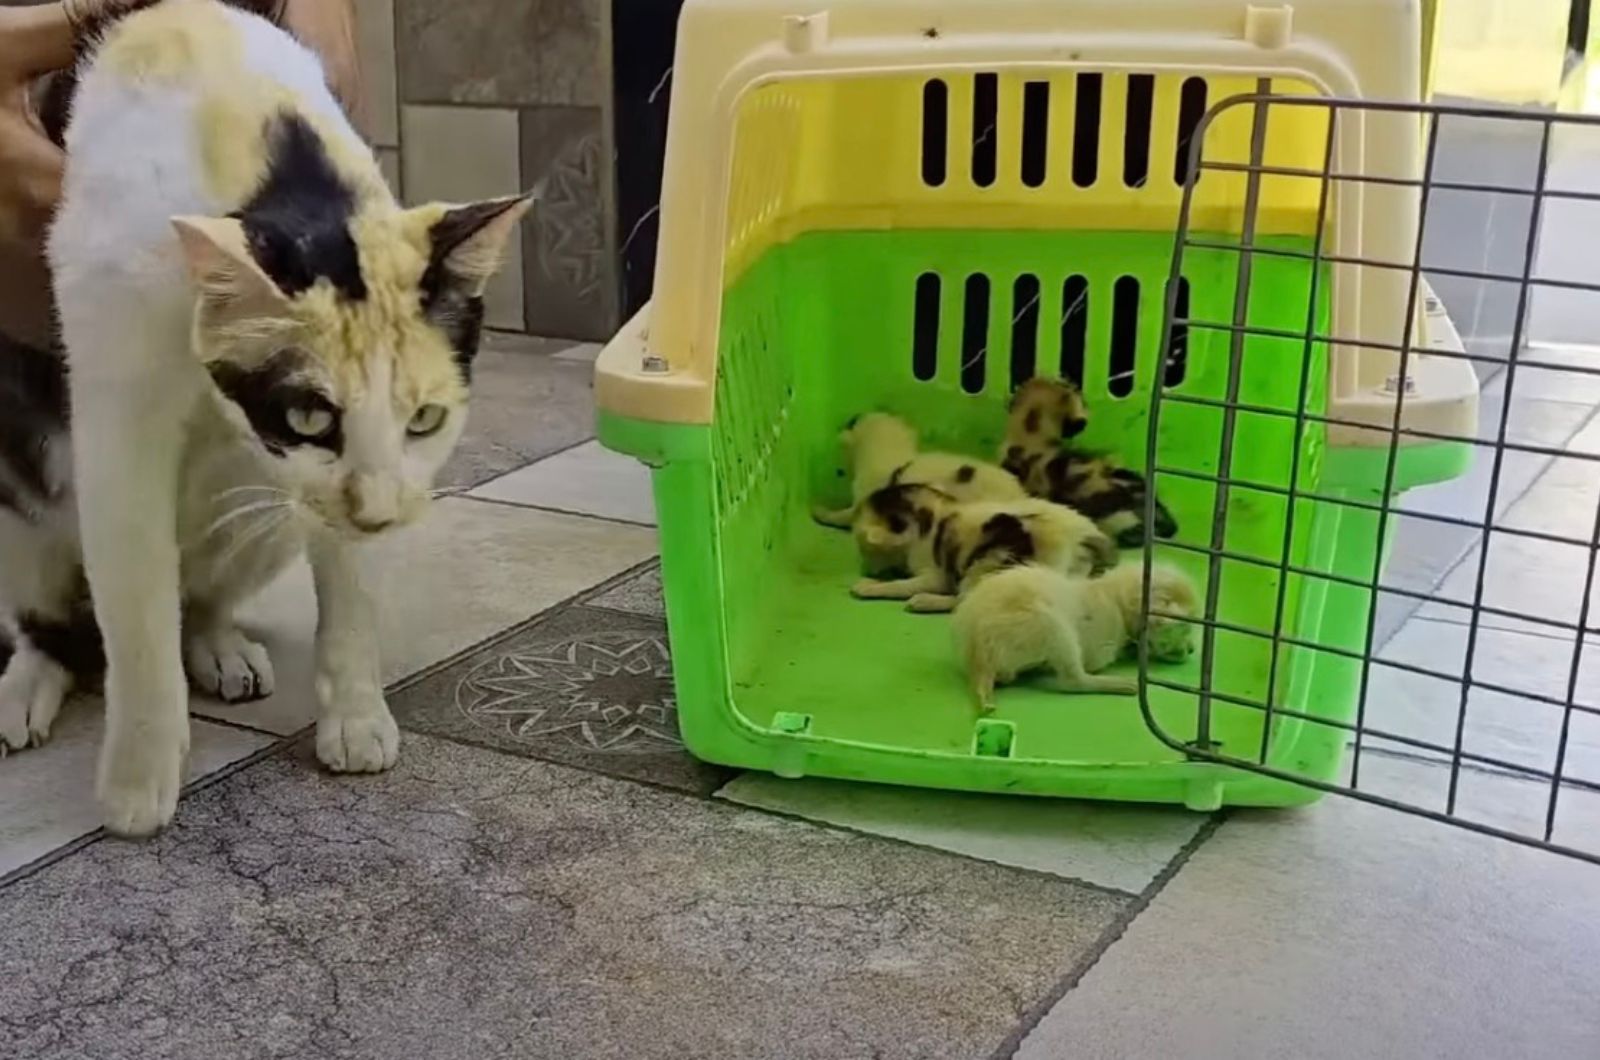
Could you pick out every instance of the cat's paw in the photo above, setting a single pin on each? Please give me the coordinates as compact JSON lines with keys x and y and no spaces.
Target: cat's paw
{"x":31,"y":692}
{"x":141,"y":773}
{"x":361,"y":741}
{"x":931,"y":603}
{"x":224,"y":663}
{"x":866,"y":589}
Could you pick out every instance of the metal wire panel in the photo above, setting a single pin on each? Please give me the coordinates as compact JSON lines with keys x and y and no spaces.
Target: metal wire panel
{"x":1375,"y":744}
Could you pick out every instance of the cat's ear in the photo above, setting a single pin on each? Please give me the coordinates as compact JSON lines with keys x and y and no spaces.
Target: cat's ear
{"x":466,"y":244}
{"x":223,"y":269}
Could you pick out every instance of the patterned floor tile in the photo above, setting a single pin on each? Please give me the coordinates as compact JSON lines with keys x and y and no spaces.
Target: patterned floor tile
{"x":468,"y":906}
{"x":639,"y":594}
{"x":586,"y":687}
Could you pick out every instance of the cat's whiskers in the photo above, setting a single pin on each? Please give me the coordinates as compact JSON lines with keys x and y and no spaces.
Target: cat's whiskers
{"x":254,"y":533}
{"x":240,"y":511}
{"x":257,"y":488}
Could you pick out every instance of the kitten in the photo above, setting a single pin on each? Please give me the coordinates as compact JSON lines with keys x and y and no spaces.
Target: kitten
{"x":1044,"y":414}
{"x":267,"y":356}
{"x":881,"y":450}
{"x":950,"y":546}
{"x":1034,"y":617}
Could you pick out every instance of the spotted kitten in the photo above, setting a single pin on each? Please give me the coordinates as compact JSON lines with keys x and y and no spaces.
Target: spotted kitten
{"x":267,"y":355}
{"x":950,"y":545}
{"x":1044,"y":414}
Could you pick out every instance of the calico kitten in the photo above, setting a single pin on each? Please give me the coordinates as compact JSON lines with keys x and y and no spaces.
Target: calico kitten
{"x":1032,"y":617}
{"x":950,"y":545}
{"x":881,"y":450}
{"x":268,"y":356}
{"x":1044,"y":414}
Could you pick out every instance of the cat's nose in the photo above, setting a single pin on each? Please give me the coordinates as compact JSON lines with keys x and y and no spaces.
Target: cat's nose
{"x":372,"y":502}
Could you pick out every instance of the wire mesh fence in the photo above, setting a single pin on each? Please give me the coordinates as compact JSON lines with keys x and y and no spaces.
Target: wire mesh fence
{"x":1461,"y":669}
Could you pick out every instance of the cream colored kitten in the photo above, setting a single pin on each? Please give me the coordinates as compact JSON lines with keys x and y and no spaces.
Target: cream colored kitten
{"x":1034,"y":617}
{"x":881,"y":450}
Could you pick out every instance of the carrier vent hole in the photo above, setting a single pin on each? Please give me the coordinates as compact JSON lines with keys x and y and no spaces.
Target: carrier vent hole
{"x":985,"y":128}
{"x":935,"y":131}
{"x":975,"y":333}
{"x":1136,"y":133}
{"x":1191,"y":108}
{"x":1086,"y":130}
{"x":1124,"y":336}
{"x":1035,"y":132}
{"x":925,"y":328}
{"x":1074,"y":327}
{"x":1178,"y":339}
{"x":1024,"y":329}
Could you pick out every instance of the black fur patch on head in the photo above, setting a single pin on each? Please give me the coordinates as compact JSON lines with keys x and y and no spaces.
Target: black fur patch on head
{"x":449,"y":300}
{"x":966,"y":473}
{"x":894,"y":476}
{"x":73,"y":644}
{"x":1004,"y":536}
{"x":33,"y":409}
{"x":298,"y":221}
{"x":1073,"y":426}
{"x":1122,"y":474}
{"x":269,"y":392}
{"x":1030,"y":422}
{"x":924,"y":520}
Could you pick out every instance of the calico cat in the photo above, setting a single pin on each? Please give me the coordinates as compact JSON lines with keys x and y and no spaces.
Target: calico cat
{"x":267,"y":356}
{"x":1033,"y":617}
{"x":1044,"y":414}
{"x":950,"y":545}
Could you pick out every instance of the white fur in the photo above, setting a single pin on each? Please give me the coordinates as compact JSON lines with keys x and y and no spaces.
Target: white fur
{"x":1033,"y":617}
{"x":155,"y":450}
{"x":879,"y":447}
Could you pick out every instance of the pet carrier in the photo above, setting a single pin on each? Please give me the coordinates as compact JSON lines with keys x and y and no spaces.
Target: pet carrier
{"x":910,"y":206}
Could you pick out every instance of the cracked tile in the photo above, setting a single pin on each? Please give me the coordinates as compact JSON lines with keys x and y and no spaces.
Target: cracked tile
{"x":47,"y":794}
{"x":467,"y":906}
{"x":586,"y":687}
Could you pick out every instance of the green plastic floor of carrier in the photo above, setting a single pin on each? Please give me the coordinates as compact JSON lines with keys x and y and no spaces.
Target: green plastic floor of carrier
{"x":779,"y":669}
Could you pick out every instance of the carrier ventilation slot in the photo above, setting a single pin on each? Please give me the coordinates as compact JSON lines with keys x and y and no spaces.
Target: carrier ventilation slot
{"x":1086,"y":130}
{"x":1024,"y":329}
{"x":1178,"y":341}
{"x":1035,"y":132}
{"x":1074,"y":327}
{"x":975,"y":333}
{"x":1124,"y":336}
{"x":985,"y":128}
{"x":1136,"y":133}
{"x":1191,"y":108}
{"x":925,"y":328}
{"x":935,"y":131}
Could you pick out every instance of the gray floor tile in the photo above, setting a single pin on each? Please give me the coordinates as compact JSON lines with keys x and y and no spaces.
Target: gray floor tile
{"x":640,"y":595}
{"x":588,"y":479}
{"x":47,"y":794}
{"x":470,"y":570}
{"x":526,"y":404}
{"x":466,"y":905}
{"x":1347,"y":932}
{"x":586,"y":687}
{"x":1105,"y":843}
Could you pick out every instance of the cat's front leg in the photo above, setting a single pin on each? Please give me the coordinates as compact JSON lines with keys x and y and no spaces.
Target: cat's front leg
{"x":127,"y":453}
{"x":355,"y":731}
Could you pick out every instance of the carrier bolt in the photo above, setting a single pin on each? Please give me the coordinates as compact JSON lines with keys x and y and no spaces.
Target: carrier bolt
{"x":805,"y":33}
{"x":1268,"y":27}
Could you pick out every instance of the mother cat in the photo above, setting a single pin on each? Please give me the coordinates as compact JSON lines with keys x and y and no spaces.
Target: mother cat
{"x":266,"y":355}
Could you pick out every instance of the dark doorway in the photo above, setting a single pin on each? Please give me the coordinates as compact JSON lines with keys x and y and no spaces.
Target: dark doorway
{"x":643,"y":36}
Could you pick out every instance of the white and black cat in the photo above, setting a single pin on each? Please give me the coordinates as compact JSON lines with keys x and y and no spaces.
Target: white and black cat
{"x":267,"y":356}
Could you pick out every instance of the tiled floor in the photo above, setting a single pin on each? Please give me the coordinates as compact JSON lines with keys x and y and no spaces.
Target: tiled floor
{"x":548,"y":872}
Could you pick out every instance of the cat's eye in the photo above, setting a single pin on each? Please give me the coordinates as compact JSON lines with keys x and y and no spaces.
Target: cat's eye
{"x":312,"y":424}
{"x":427,"y":420}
